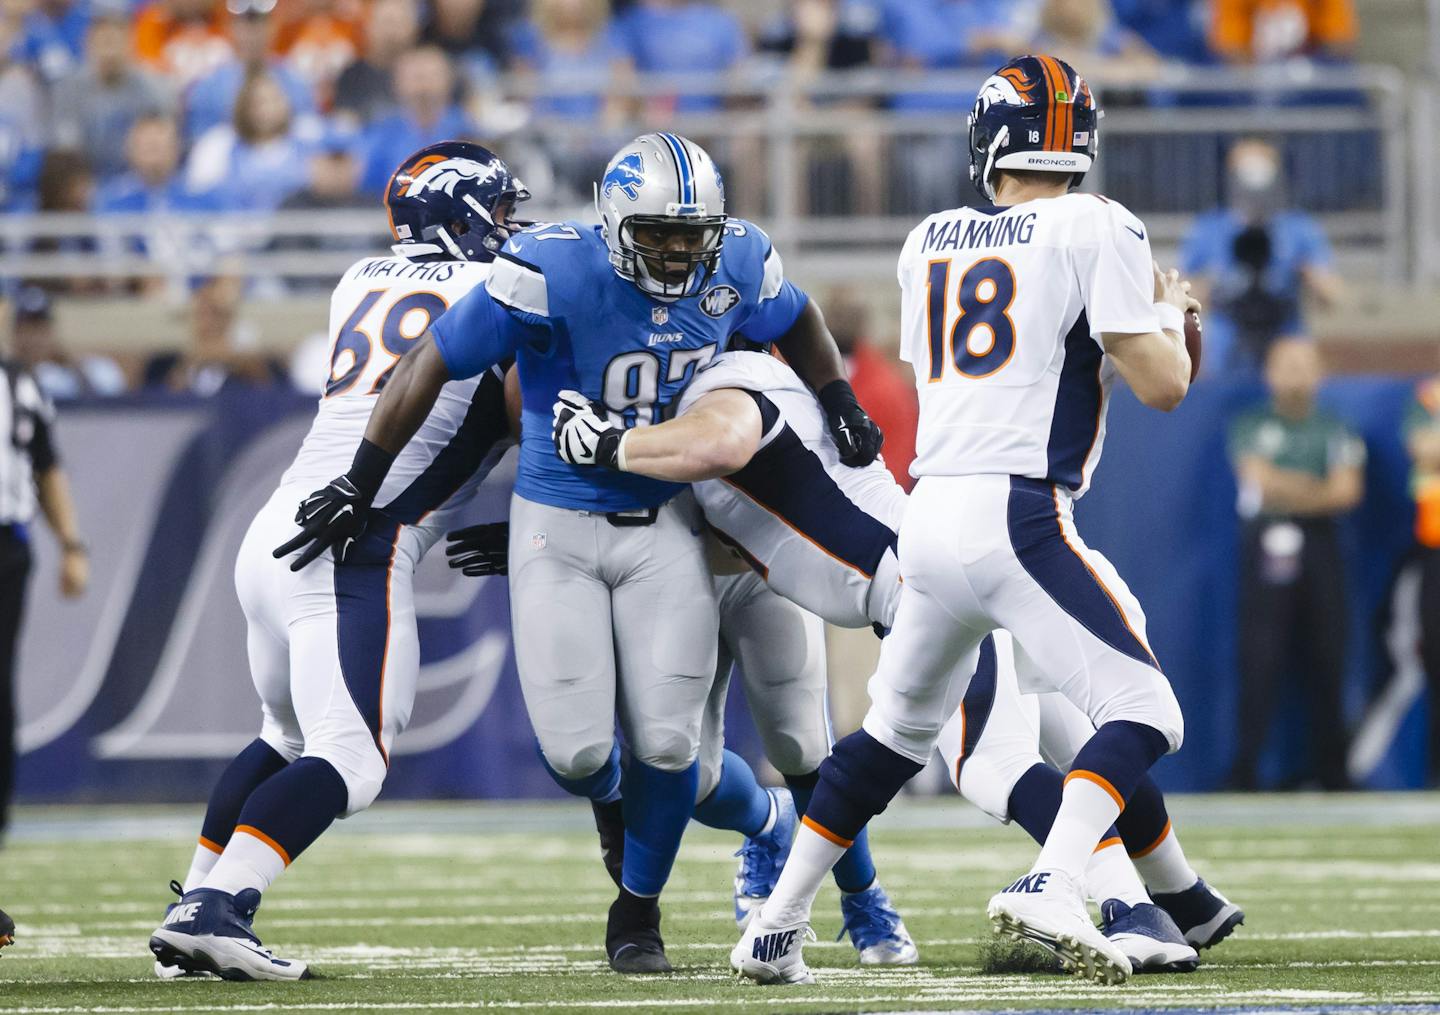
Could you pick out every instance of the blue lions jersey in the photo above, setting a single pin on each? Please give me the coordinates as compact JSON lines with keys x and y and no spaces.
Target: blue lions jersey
{"x":554,"y":302}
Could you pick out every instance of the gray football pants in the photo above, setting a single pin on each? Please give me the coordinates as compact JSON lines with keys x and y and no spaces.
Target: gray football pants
{"x":612,"y":620}
{"x":781,"y":652}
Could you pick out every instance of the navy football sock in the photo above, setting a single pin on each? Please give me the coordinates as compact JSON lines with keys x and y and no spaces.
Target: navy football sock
{"x":1144,"y":821}
{"x":658,"y":806}
{"x":738,"y":803}
{"x":1120,"y":753}
{"x":294,"y":806}
{"x":855,"y":871}
{"x":1035,"y":800}
{"x":857,"y":782}
{"x":251,"y":767}
{"x":601,"y":785}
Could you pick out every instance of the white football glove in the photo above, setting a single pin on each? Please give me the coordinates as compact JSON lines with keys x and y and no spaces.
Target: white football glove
{"x":582,"y":434}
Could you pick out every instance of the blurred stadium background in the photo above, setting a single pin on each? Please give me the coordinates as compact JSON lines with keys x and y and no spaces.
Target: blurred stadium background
{"x":183,"y":180}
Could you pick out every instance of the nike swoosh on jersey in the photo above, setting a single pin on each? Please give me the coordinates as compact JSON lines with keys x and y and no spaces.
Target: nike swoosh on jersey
{"x":1139,"y":233}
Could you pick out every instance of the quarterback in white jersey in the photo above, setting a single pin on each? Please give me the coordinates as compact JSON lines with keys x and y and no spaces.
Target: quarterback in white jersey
{"x":334,"y":650}
{"x":1017,"y":317}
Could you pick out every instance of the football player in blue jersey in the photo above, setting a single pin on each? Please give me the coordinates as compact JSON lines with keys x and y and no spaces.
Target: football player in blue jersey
{"x":612,"y":602}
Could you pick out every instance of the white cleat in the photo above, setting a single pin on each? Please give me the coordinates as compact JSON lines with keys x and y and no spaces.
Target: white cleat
{"x":1046,"y":907}
{"x":771,"y":955}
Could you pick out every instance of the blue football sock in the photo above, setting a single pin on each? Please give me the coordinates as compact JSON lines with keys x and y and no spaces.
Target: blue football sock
{"x":294,"y":806}
{"x":658,"y":806}
{"x":601,"y":785}
{"x":1035,"y":800}
{"x":855,"y":871}
{"x":251,"y":767}
{"x":738,"y":803}
{"x":1120,"y":753}
{"x":1144,"y":821}
{"x":857,"y":782}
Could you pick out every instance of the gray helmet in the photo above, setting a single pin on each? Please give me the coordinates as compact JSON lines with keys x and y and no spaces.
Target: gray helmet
{"x":663,"y":181}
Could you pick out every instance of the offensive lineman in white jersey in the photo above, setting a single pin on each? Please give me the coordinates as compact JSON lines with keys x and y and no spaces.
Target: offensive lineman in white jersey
{"x":1017,"y":317}
{"x":334,"y":651}
{"x":750,"y":436}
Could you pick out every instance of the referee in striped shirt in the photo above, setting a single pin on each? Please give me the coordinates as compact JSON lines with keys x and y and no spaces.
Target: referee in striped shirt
{"x":30,"y":477}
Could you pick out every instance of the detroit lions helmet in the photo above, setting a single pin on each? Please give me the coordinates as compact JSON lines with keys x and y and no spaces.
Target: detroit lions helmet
{"x":666,"y":189}
{"x":442,"y":202}
{"x":1034,"y":113}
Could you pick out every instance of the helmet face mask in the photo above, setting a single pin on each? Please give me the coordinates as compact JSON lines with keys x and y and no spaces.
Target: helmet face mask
{"x":1035,"y":113}
{"x":662,"y":209}
{"x":452,"y":201}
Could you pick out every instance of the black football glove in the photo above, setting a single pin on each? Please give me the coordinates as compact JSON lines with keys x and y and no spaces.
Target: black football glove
{"x":480,"y":550}
{"x":856,"y":435}
{"x":332,"y":518}
{"x":582,"y":434}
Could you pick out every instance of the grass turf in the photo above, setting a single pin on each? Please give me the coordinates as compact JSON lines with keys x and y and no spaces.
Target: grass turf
{"x":444,"y":908}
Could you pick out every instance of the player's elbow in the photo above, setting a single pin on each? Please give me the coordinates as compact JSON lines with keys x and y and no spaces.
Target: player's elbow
{"x":1164,"y":393}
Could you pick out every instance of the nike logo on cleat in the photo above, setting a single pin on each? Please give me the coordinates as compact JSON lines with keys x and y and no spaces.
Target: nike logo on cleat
{"x":183,"y":913}
{"x":1030,"y":883}
{"x":769,"y":947}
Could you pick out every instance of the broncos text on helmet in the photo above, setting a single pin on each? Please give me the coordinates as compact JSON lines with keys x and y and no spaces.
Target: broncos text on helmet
{"x":443,"y":199}
{"x":661,"y":182}
{"x":1034,"y":113}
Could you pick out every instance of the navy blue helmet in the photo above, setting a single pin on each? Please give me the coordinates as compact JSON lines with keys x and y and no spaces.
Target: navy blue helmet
{"x":1034,"y":113}
{"x":442,"y":202}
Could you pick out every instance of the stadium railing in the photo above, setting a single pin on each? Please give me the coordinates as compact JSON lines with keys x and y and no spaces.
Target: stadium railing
{"x":838,"y":167}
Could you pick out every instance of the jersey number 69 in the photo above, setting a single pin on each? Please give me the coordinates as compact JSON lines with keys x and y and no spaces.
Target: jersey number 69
{"x":987,"y":288}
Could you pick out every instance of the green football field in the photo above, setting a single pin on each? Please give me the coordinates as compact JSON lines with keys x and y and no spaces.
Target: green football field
{"x":458,"y":907}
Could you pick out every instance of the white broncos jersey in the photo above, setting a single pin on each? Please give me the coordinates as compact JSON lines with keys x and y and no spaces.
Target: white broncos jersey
{"x":380,"y":307}
{"x":1002,"y":310}
{"x":819,"y":532}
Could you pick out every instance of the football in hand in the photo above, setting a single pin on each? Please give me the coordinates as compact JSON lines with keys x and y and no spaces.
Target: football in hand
{"x":1192,"y":341}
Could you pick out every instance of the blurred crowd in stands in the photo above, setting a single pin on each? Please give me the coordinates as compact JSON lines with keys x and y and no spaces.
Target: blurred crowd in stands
{"x":251,"y":105}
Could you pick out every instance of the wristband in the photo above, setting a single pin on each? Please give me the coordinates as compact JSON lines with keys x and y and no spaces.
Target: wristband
{"x":837,"y":396}
{"x":368,"y":470}
{"x":1172,"y":318}
{"x":620,"y":452}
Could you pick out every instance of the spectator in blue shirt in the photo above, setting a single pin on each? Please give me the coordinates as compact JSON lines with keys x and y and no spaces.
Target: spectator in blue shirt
{"x":1085,"y":34}
{"x":571,"y":44}
{"x":1173,"y":28}
{"x":21,"y":106}
{"x":93,"y":107}
{"x":153,"y":184}
{"x":363,"y":89}
{"x":52,"y":38}
{"x":1253,"y":262}
{"x":260,"y":158}
{"x":211,"y":99}
{"x":683,"y":37}
{"x":945,"y":35}
{"x":424,"y":88}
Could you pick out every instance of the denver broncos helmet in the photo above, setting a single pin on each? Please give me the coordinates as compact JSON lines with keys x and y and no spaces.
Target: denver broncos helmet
{"x":442,"y":202}
{"x":1034,"y":113}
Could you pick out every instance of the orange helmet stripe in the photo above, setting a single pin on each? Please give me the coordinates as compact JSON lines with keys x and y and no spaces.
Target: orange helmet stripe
{"x":1051,"y":112}
{"x":409,"y":172}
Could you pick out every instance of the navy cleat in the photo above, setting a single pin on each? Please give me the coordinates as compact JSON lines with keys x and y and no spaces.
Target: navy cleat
{"x":1204,"y":915}
{"x":1148,"y":937}
{"x":610,"y":823}
{"x":209,"y":930}
{"x":7,"y":929}
{"x":875,"y":928}
{"x":762,"y":858}
{"x":185,"y":968}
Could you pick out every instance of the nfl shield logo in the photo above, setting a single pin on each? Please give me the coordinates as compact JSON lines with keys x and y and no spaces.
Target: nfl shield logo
{"x":537,"y":541}
{"x":659,"y":315}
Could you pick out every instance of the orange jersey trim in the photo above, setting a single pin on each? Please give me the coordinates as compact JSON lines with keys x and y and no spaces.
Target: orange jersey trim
{"x":213,"y":847}
{"x":255,"y":833}
{"x":1114,"y":840}
{"x":1098,"y":780}
{"x":1164,"y":834}
{"x":825,"y":833}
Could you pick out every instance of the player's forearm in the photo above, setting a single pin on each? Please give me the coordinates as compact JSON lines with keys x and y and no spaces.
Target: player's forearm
{"x":697,"y":446}
{"x":407,"y":398}
{"x":52,"y":492}
{"x":810,"y":349}
{"x":1155,"y":365}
